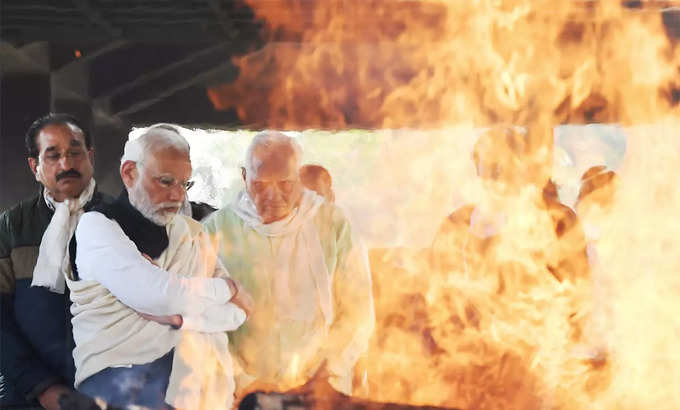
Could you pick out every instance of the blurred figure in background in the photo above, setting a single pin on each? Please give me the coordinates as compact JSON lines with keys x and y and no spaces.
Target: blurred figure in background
{"x":506,"y":234}
{"x":318,"y":179}
{"x":595,"y":202}
{"x":570,"y":256}
{"x":596,"y":207}
{"x":517,"y":230}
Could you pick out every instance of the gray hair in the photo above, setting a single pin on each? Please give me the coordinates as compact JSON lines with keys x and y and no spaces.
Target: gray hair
{"x":156,"y":137}
{"x":270,"y":139}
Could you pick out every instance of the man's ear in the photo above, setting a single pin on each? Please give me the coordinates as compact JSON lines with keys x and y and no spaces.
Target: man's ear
{"x":90,"y":153}
{"x":33,"y":164}
{"x":243,"y":173}
{"x":129,"y":173}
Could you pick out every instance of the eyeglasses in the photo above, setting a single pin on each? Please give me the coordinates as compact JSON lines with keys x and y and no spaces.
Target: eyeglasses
{"x":170,"y":182}
{"x":73,"y":154}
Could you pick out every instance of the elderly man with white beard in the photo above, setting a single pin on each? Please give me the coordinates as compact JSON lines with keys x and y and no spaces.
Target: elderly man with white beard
{"x":297,"y":255}
{"x":147,"y":290}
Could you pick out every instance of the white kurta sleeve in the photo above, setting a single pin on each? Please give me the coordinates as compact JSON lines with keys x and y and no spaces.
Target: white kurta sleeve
{"x":216,"y":318}
{"x":106,"y":255}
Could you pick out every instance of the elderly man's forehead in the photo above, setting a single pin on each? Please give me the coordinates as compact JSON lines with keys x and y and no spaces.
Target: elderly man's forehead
{"x":167,"y":154}
{"x":274,"y":148}
{"x":274,"y":155}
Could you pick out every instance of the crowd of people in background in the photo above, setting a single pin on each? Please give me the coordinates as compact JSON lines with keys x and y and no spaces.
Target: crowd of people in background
{"x":152,"y":300}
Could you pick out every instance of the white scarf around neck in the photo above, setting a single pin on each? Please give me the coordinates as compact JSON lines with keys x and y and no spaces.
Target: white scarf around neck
{"x":299,"y":258}
{"x":53,"y":258}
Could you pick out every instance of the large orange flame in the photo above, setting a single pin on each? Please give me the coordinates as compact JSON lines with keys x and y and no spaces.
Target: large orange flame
{"x":513,"y":332}
{"x":387,"y":64}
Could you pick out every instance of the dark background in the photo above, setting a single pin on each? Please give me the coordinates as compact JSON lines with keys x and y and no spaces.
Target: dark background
{"x":112,"y":64}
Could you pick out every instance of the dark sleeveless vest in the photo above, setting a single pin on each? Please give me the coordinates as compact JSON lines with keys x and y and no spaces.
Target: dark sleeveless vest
{"x":151,"y":239}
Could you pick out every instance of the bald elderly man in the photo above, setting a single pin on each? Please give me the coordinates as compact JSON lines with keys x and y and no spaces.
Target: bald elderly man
{"x":309,"y":276}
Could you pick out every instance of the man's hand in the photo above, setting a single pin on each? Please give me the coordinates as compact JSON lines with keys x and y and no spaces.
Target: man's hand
{"x":233,"y":286}
{"x":49,"y":399}
{"x":147,"y":257}
{"x":175,"y":321}
{"x":79,"y":401}
{"x":242,"y":298}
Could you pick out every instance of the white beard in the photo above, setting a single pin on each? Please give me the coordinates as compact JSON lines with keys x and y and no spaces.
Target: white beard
{"x":141,"y":200}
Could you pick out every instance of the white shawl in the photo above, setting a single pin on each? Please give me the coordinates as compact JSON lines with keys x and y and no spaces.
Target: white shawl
{"x":202,"y":374}
{"x":53,"y":258}
{"x":300,"y":259}
{"x":109,"y":333}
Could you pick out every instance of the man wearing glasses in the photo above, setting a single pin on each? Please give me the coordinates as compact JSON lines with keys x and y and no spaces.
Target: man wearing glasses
{"x":151,"y":303}
{"x":36,"y":364}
